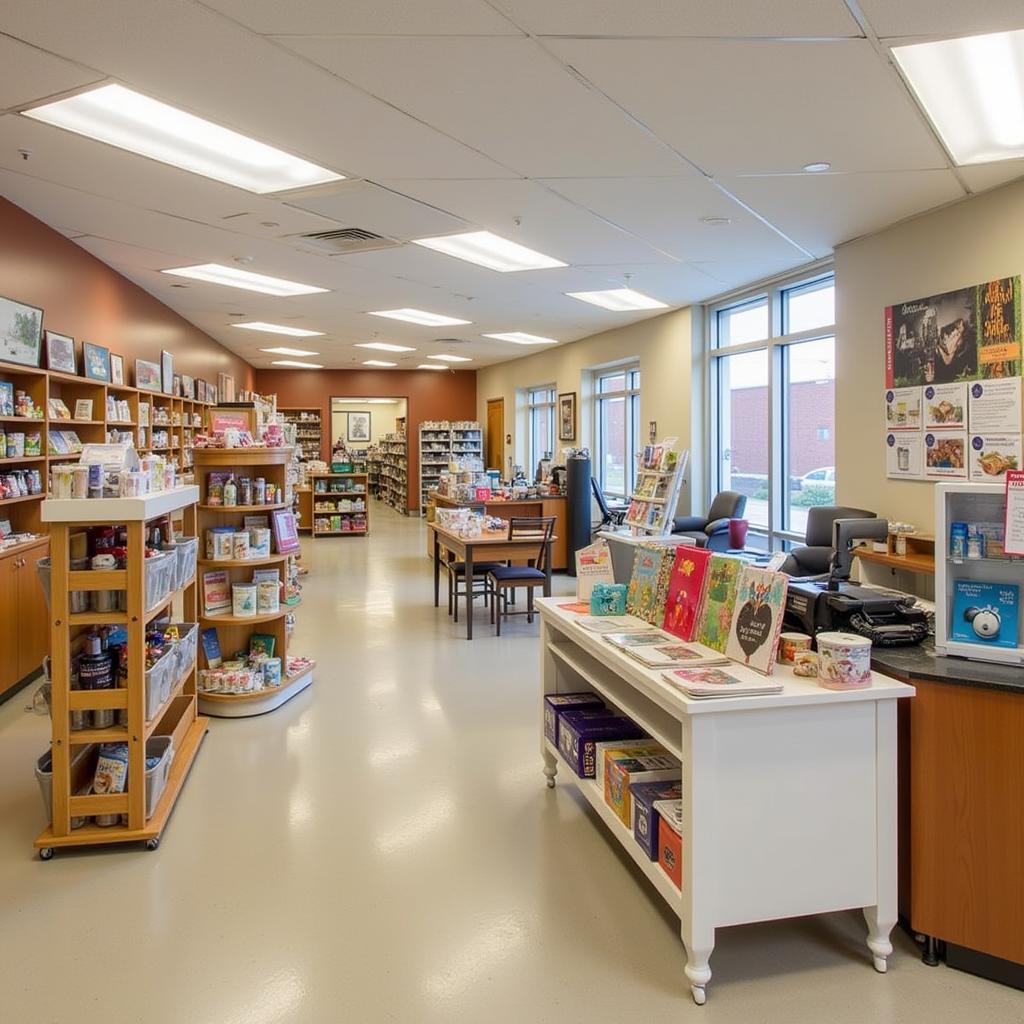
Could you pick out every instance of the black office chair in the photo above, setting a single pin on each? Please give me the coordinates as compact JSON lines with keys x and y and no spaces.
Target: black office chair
{"x":609,"y":516}
{"x":712,"y":531}
{"x":815,"y":556}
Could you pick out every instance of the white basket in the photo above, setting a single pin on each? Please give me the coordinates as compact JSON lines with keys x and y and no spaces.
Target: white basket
{"x":160,"y":572}
{"x":156,"y":777}
{"x":185,"y":651}
{"x":159,"y":679}
{"x":185,"y":551}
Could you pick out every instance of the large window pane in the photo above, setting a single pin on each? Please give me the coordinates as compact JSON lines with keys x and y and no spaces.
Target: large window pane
{"x":809,"y":306}
{"x":744,"y":450}
{"x":810,"y":378}
{"x":745,"y":322}
{"x":612,"y":426}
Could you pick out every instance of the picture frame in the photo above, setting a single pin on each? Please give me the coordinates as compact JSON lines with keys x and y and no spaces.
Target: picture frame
{"x":167,"y":372}
{"x":95,"y":362}
{"x":567,"y":416}
{"x":177,"y":385}
{"x":83,"y":409}
{"x":21,"y":333}
{"x":60,"y":353}
{"x":358,"y":428}
{"x":117,"y":370}
{"x":225,"y":387}
{"x":286,"y":535}
{"x":147,"y":375}
{"x":188,"y":386}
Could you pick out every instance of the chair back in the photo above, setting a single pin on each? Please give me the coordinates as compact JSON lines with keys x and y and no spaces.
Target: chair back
{"x":539,"y":528}
{"x":727,"y":505}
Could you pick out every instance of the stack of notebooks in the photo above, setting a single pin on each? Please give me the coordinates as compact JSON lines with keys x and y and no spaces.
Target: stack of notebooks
{"x":710,"y":683}
{"x":656,"y":649}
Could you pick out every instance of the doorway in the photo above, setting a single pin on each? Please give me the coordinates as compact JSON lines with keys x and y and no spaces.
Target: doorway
{"x":496,"y":434}
{"x":371,"y":432}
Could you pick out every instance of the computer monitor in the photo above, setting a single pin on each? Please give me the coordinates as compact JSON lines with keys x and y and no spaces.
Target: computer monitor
{"x":844,"y":533}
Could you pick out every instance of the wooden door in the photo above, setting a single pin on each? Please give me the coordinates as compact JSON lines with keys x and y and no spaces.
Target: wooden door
{"x":33,"y":617}
{"x":9,"y":622}
{"x":496,"y":434}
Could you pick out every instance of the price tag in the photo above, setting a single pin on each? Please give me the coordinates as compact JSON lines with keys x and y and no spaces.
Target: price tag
{"x":1014,"y":525}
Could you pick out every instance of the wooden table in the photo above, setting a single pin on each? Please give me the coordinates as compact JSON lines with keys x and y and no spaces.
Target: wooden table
{"x":492,"y":546}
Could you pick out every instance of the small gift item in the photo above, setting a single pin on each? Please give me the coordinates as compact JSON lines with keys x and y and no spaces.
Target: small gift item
{"x":608,"y":599}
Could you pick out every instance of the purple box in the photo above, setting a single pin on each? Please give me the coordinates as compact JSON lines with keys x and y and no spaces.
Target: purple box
{"x":645,"y":817}
{"x":578,"y":733}
{"x":557,"y":703}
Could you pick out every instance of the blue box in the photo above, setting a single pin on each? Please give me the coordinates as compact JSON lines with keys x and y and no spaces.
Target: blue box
{"x":645,"y":817}
{"x":557,"y":703}
{"x":986,"y":614}
{"x":577,"y":735}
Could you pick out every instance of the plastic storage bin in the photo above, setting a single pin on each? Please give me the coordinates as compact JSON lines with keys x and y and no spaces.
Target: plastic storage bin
{"x":156,"y":777}
{"x":185,"y":551}
{"x":159,"y":680}
{"x":185,"y":651}
{"x":83,"y":764}
{"x":160,"y":572}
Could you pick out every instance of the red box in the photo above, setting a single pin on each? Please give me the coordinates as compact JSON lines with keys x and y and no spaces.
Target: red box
{"x":670,"y":852}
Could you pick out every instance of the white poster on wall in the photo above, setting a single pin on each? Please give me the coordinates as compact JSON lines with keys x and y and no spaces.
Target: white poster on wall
{"x":995,"y":406}
{"x":904,"y":455}
{"x":993,"y":454}
{"x":903,"y":409}
{"x":945,"y":454}
{"x":945,"y":406}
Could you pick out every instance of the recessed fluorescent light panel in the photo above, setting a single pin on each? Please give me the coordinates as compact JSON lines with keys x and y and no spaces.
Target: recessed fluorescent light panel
{"x":452,"y":359}
{"x":377,"y":362}
{"x":384,"y":346}
{"x":216,"y":273}
{"x":282,"y":351}
{"x":973,"y":91}
{"x":431,"y":366}
{"x":491,"y":251}
{"x":619,"y":300}
{"x":519,"y":338}
{"x":293,"y":362}
{"x":292,"y":332}
{"x":420,"y":316}
{"x":128,"y":120}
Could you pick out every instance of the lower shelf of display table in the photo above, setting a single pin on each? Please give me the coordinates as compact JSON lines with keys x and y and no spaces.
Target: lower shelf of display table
{"x":93,"y":835}
{"x":594,"y":796}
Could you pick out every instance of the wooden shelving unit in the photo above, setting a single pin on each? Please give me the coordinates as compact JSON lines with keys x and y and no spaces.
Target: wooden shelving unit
{"x":393,"y":472}
{"x":176,"y":717}
{"x":233,"y":632}
{"x":308,"y":422}
{"x":920,"y":556}
{"x":441,"y":442}
{"x":334,"y":498}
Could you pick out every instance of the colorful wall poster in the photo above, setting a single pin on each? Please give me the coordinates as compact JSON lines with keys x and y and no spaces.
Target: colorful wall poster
{"x":971,"y":333}
{"x":995,"y":406}
{"x":903,"y":409}
{"x":993,"y":455}
{"x":945,"y":406}
{"x":904,"y":456}
{"x":945,"y":454}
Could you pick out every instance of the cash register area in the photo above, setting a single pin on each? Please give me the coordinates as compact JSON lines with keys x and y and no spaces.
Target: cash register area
{"x":382,"y":848}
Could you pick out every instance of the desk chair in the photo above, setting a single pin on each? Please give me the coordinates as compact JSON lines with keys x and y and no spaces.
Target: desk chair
{"x":503,"y":578}
{"x":609,"y":516}
{"x":815,"y":556}
{"x":712,"y":531}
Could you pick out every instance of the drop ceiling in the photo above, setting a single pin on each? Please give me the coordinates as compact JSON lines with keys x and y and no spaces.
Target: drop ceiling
{"x":597,"y":132}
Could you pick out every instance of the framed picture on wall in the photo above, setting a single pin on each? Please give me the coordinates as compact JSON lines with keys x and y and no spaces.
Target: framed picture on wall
{"x":225,"y":387}
{"x":177,"y":385}
{"x":567,"y":416}
{"x":188,"y":386}
{"x":116,"y":369}
{"x":21,"y":333}
{"x":167,"y":372}
{"x":147,"y":375}
{"x":359,"y":427}
{"x":60,"y":353}
{"x":201,"y":390}
{"x":95,"y":361}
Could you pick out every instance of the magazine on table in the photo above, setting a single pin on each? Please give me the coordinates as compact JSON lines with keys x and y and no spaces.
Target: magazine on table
{"x":719,"y":682}
{"x":612,"y":624}
{"x":693,"y":655}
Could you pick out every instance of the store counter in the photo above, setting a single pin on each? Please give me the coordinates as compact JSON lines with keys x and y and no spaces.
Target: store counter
{"x":547,"y":505}
{"x":961,"y":812}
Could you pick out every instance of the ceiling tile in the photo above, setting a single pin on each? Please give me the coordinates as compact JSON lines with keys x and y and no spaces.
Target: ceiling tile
{"x":822,"y":210}
{"x":28,"y":74}
{"x":980,"y":177}
{"x":367,"y":17}
{"x":776,"y":106}
{"x":795,"y":18}
{"x":488,"y":93}
{"x":941,"y":17}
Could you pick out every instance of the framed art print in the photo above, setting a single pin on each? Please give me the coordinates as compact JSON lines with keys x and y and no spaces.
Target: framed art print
{"x":21,"y":332}
{"x":177,"y":385}
{"x":167,"y":372}
{"x":567,"y":416}
{"x":188,"y":386}
{"x":359,"y":427}
{"x":95,"y":362}
{"x":60,"y":353}
{"x":116,"y":369}
{"x":147,"y":375}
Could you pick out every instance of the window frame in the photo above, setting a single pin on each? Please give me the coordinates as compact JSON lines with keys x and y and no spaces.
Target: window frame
{"x":549,"y":401}
{"x":777,"y":345}
{"x":630,"y":393}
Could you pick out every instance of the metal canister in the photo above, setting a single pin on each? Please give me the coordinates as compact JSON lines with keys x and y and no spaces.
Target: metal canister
{"x":259,"y":491}
{"x":245,"y":491}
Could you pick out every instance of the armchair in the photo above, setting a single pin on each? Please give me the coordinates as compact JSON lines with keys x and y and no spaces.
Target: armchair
{"x":712,"y":531}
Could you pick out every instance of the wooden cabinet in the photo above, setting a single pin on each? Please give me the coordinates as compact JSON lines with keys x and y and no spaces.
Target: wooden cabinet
{"x":24,"y":633}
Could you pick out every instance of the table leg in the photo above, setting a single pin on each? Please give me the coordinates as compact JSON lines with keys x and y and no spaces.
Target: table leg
{"x":547,"y":574}
{"x":469,"y":592}
{"x":437,"y":571}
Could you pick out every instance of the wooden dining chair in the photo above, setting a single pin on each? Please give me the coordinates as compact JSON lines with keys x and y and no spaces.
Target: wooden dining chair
{"x":504,"y":578}
{"x":481,"y":588}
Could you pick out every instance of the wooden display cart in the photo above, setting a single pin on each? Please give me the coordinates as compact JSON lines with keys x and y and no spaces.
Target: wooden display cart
{"x":234,"y":632}
{"x":321,"y":499}
{"x":176,"y":717}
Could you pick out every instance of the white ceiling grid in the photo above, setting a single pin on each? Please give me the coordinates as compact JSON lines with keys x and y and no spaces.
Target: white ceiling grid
{"x":598,"y":132}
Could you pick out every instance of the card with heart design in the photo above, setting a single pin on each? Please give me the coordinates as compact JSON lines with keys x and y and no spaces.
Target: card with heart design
{"x":757,"y":618}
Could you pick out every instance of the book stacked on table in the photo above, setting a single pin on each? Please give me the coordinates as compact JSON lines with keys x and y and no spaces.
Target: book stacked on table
{"x":731,"y":681}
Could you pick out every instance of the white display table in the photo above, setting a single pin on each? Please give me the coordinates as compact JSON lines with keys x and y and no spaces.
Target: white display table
{"x":789,"y":800}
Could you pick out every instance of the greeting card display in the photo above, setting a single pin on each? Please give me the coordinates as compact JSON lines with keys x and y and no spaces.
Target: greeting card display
{"x":757,"y":618}
{"x":715,"y":615}
{"x":593,"y":565}
{"x":685,"y":590}
{"x":645,"y":597}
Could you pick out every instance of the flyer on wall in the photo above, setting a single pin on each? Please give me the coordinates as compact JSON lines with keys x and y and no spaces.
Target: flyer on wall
{"x":994,"y":455}
{"x":904,"y":456}
{"x":1013,"y":543}
{"x":945,"y":406}
{"x":903,"y":409}
{"x":945,"y":454}
{"x":995,"y":406}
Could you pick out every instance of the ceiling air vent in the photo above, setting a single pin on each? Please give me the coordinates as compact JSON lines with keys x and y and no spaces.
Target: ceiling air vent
{"x":450,"y":341}
{"x":343,"y":241}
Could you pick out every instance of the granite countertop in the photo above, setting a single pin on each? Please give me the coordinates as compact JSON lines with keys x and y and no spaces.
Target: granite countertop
{"x":921,"y":662}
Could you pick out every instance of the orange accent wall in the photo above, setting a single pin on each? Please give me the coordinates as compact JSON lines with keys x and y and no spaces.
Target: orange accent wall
{"x":82,"y":297}
{"x":430,"y":396}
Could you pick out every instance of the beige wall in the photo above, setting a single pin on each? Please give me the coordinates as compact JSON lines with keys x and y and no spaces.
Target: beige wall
{"x":665,"y":347}
{"x":977,"y":240}
{"x":382,"y":418}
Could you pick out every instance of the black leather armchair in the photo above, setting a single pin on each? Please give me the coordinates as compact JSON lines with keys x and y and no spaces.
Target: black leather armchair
{"x":712,"y":531}
{"x":814,"y":557}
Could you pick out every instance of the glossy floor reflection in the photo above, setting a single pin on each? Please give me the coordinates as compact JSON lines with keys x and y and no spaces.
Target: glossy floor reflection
{"x":383,"y":848}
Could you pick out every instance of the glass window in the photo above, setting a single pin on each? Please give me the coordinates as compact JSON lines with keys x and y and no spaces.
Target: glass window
{"x":617,"y":431}
{"x":541,"y":426}
{"x":809,"y":306}
{"x":744,"y":448}
{"x":742,"y":323}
